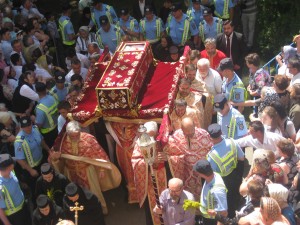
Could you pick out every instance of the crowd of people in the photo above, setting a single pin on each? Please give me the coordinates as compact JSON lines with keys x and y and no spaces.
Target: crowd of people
{"x":49,"y":164}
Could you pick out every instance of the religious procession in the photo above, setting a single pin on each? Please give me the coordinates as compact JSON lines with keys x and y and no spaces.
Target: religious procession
{"x":162,"y":104}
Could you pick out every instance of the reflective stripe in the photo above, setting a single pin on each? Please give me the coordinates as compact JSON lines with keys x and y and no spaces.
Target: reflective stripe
{"x":131,"y":27}
{"x":168,"y":23}
{"x":49,"y":112}
{"x":27,"y":152}
{"x":158,"y":31}
{"x":186,"y":29}
{"x":108,"y":14}
{"x":10,"y":206}
{"x":241,"y":86}
{"x":210,"y":199}
{"x":223,"y":162}
{"x":158,"y":23}
{"x":62,"y":26}
{"x":225,"y":10}
{"x":201,"y":31}
{"x":232,"y":126}
{"x":219,"y":26}
{"x":118,"y":35}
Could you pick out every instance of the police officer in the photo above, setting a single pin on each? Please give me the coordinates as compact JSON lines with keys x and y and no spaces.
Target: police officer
{"x":224,"y":9}
{"x":210,"y":27}
{"x":12,"y":207}
{"x":29,"y":145}
{"x":129,"y":25}
{"x":227,"y":159}
{"x":213,"y":198}
{"x":181,"y":27}
{"x":51,"y":183}
{"x":233,"y":87}
{"x":109,"y":35}
{"x":151,"y":27}
{"x":99,"y":9}
{"x":196,"y":12}
{"x":46,"y":114}
{"x":47,"y":212}
{"x":230,"y":119}
{"x":61,"y":88}
{"x":66,"y":28}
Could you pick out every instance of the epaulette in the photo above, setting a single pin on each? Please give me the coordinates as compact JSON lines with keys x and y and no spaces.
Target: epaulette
{"x":35,"y":126}
{"x":22,"y":137}
{"x":54,"y":91}
{"x":202,"y":22}
{"x":67,"y":85}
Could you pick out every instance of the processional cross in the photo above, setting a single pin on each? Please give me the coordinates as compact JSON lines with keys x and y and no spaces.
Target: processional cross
{"x":76,"y":208}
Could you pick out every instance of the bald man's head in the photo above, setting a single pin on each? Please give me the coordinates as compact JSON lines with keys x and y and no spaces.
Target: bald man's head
{"x":188,"y":127}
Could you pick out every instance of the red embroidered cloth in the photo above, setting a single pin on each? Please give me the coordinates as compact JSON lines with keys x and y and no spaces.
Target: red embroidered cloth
{"x":157,"y":93}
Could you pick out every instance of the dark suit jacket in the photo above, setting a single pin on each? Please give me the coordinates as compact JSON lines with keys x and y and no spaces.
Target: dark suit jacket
{"x":136,"y":12}
{"x":238,"y":47}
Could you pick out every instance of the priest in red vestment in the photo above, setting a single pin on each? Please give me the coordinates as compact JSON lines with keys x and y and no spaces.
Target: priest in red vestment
{"x":185,"y":147}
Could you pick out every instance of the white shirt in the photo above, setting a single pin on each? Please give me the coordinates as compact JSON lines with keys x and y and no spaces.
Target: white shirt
{"x":13,"y":84}
{"x":60,"y":123}
{"x":269,"y":143}
{"x":27,"y":92}
{"x":82,"y":58}
{"x":83,"y":73}
{"x":213,"y":82}
{"x":22,"y":58}
{"x":142,"y":7}
{"x":295,"y":79}
{"x":18,"y":70}
{"x":41,"y":72}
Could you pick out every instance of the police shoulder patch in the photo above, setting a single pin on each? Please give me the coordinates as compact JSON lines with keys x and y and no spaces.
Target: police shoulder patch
{"x":240,"y":125}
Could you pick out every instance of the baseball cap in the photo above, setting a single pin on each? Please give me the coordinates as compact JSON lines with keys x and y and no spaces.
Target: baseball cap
{"x":226,"y":64}
{"x":196,"y":1}
{"x":124,"y":11}
{"x":203,"y":167}
{"x":5,"y":161}
{"x":103,"y":20}
{"x":214,"y":130}
{"x":25,"y":121}
{"x":219,"y":102}
{"x":148,"y":8}
{"x":207,"y":12}
{"x":176,"y":6}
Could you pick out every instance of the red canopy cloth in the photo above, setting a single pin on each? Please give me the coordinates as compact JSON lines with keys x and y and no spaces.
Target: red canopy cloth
{"x":157,"y":93}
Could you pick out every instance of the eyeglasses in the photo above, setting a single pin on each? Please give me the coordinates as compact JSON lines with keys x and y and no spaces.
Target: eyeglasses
{"x":174,"y":191}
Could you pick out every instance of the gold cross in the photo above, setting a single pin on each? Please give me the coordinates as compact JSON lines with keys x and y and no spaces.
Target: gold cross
{"x":76,"y":208}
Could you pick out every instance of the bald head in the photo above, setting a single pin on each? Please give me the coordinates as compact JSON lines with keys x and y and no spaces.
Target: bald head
{"x":175,"y":182}
{"x":188,"y":127}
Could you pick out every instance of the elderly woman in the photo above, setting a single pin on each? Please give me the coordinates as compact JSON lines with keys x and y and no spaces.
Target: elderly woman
{"x":263,"y":168}
{"x":268,"y":213}
{"x":282,"y":59}
{"x":271,"y":94}
{"x":78,"y":158}
{"x":288,"y":160}
{"x":294,"y":112}
{"x":280,"y":194}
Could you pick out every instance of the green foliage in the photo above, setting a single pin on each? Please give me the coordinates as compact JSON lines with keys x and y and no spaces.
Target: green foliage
{"x":278,"y":21}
